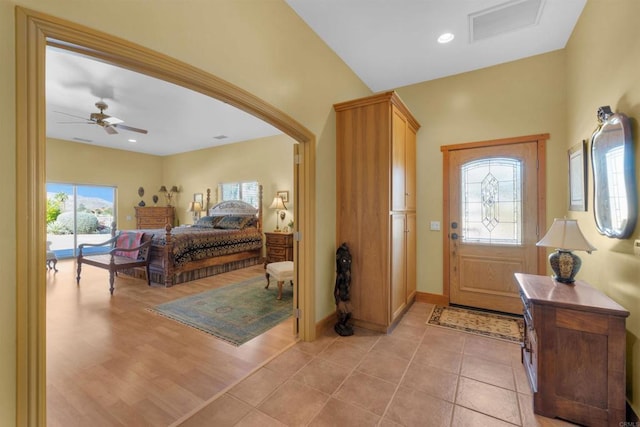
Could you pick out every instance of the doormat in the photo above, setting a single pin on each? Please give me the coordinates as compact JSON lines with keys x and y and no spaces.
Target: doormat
{"x":489,"y":324}
{"x":234,"y":313}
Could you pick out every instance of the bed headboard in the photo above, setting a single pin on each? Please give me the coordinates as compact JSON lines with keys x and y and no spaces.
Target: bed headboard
{"x":232,"y":207}
{"x":238,"y":208}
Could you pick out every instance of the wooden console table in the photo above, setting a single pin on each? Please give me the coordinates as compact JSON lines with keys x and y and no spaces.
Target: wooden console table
{"x":573,"y":351}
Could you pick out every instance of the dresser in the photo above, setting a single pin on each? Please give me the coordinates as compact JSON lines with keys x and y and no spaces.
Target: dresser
{"x":376,"y":205}
{"x":154,"y":216}
{"x":279,"y":247}
{"x":573,"y":350}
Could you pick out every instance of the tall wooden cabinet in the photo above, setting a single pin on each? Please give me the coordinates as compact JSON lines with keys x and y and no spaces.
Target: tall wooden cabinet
{"x":376,"y":205}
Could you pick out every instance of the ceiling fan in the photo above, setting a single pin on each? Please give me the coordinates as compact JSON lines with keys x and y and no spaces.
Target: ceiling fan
{"x":108,"y":123}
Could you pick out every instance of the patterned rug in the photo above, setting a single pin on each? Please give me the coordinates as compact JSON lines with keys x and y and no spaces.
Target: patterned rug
{"x":235,"y":313}
{"x":501,"y":326}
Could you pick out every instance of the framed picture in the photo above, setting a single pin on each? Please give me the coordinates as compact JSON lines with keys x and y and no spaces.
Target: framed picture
{"x":578,"y":177}
{"x":197,"y":197}
{"x":284,"y":195}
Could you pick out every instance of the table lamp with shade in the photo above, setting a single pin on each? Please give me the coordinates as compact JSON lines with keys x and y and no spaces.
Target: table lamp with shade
{"x":278,"y":204}
{"x":565,"y":235}
{"x":196,"y":208}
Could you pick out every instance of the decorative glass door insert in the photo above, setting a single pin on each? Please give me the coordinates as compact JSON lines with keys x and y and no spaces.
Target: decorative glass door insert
{"x":491,"y":201}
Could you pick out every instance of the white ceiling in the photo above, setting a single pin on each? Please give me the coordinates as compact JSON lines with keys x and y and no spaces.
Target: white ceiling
{"x":393,"y":43}
{"x":387,"y":43}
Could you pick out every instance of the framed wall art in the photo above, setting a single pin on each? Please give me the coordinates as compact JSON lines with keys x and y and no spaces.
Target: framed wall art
{"x":284,"y":195}
{"x":578,"y":177}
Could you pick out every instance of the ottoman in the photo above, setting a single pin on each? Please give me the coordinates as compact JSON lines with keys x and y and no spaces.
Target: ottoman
{"x":281,"y":272}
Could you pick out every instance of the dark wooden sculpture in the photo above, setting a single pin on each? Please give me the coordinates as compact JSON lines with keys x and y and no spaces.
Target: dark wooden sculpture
{"x":342,"y":291}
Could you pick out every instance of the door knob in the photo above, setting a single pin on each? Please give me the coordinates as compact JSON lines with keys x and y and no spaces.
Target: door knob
{"x":454,"y":236}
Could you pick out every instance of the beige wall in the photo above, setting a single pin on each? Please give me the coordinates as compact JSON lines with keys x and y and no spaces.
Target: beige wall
{"x":519,"y":98}
{"x":267,"y":160}
{"x":603,"y":68}
{"x":76,"y":163}
{"x":8,"y":219}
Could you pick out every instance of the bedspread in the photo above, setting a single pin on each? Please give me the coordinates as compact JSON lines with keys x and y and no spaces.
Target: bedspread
{"x":193,"y":244}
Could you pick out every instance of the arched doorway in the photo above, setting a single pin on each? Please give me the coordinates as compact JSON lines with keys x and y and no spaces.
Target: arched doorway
{"x":33,"y":31}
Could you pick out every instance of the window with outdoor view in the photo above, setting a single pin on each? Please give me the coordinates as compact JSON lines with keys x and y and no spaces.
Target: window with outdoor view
{"x":246,"y":191}
{"x":78,"y":214}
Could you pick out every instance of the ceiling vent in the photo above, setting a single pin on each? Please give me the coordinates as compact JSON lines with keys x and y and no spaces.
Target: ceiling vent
{"x":504,"y":18}
{"x":220,"y":137}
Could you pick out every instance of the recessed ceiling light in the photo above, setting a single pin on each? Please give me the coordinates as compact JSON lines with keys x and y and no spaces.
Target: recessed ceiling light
{"x":132,"y":140}
{"x":445,"y":38}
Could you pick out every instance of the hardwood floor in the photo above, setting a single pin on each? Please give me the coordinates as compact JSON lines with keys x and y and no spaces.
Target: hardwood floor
{"x":111,"y":362}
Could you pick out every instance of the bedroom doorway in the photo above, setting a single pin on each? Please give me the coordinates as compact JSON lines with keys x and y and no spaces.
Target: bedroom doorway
{"x":33,"y":31}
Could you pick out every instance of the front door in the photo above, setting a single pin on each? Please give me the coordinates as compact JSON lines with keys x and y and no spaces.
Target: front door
{"x":493,"y":222}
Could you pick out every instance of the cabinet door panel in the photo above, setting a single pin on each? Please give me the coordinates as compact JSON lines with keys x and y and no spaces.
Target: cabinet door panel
{"x":410,"y":169}
{"x":398,"y":265}
{"x":398,"y":156}
{"x":410,"y":256}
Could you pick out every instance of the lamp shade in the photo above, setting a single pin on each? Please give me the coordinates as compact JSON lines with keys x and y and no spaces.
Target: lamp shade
{"x":162,"y":189}
{"x":565,"y":234}
{"x":277,"y":203}
{"x":174,"y":189}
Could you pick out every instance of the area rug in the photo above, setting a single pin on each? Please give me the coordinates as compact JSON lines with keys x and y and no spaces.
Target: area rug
{"x":234,"y":313}
{"x":500,"y":326}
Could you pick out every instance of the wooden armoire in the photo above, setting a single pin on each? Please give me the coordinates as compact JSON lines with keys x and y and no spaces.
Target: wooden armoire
{"x":376,"y":205}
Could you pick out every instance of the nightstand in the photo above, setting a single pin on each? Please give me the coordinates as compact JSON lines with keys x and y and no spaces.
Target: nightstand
{"x":279,"y":247}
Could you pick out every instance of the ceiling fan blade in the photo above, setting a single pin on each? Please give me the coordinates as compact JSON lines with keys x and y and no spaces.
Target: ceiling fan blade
{"x":76,"y":123}
{"x":110,"y":130}
{"x":113,"y":120}
{"x":125,"y":127}
{"x":70,"y":115}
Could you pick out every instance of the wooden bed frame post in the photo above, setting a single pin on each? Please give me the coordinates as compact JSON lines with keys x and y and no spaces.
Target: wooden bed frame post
{"x":168,"y":258}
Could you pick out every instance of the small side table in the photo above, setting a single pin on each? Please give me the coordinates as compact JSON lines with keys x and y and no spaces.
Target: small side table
{"x":279,"y":247}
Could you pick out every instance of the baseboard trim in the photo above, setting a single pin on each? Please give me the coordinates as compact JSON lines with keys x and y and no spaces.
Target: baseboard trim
{"x":432,"y":298}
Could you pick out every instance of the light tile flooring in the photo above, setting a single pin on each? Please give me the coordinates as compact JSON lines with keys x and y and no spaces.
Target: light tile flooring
{"x":418,"y":375}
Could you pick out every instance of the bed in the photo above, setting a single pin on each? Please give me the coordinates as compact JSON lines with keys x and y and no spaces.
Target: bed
{"x":228,"y":238}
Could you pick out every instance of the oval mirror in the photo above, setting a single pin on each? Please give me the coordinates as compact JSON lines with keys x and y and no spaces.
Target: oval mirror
{"x":614,"y":182}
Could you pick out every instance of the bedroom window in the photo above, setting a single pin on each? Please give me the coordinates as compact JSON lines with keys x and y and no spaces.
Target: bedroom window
{"x":78,"y":214}
{"x":246,"y":191}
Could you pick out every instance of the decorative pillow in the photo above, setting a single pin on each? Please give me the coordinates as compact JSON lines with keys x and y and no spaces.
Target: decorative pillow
{"x":144,"y":252}
{"x":128,"y":240}
{"x":208,"y":221}
{"x":234,"y":222}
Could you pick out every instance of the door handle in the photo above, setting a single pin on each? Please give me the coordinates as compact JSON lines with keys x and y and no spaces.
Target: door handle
{"x":454,"y":236}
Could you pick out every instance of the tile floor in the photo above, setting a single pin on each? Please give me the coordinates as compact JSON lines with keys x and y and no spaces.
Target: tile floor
{"x":418,"y":375}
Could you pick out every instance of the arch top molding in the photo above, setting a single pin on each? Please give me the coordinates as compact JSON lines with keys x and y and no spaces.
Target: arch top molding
{"x":34,"y":31}
{"x":112,"y":49}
